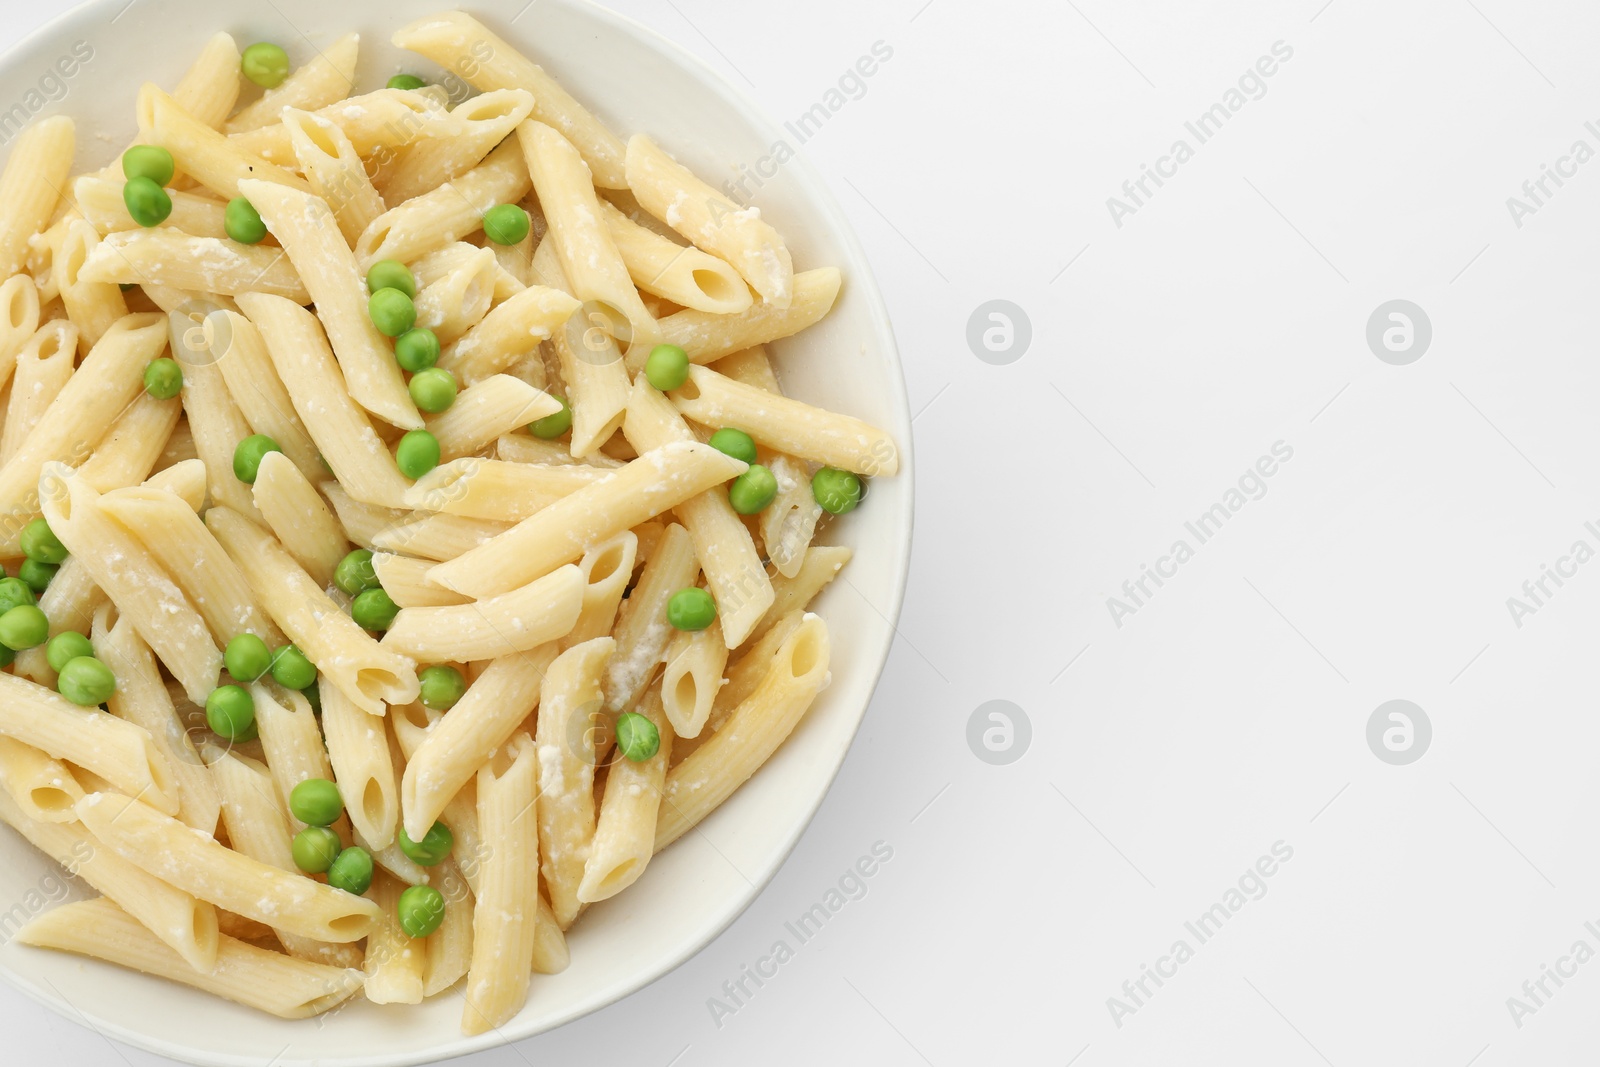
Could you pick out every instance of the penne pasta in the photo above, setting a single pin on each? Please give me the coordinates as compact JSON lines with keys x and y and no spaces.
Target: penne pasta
{"x":299,"y":517}
{"x":569,"y":701}
{"x":506,"y":918}
{"x":513,"y":622}
{"x":326,"y":78}
{"x":484,"y":411}
{"x":707,"y":337}
{"x":34,"y":176}
{"x":625,"y":830}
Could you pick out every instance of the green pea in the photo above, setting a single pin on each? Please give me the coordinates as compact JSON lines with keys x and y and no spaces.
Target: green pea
{"x":441,"y":687}
{"x":40,"y":542}
{"x":836,"y":491}
{"x":735,"y":443}
{"x":24,"y":626}
{"x":391,"y":274}
{"x":420,"y":910}
{"x":354,"y":574}
{"x":66,"y":646}
{"x":149,"y":161}
{"x":392,"y":312}
{"x":7,"y":656}
{"x":127,"y":287}
{"x":147,"y":202}
{"x":247,"y":657}
{"x":505,"y":224}
{"x":667,"y":368}
{"x":230,"y":711}
{"x":14,"y":591}
{"x":316,"y":802}
{"x":242,"y":222}
{"x":432,"y":849}
{"x":753,"y":490}
{"x":553,"y":425}
{"x":417,"y":453}
{"x":637,"y":737}
{"x":417,"y":349}
{"x":37,"y":575}
{"x":315,"y":848}
{"x":373,"y":610}
{"x":291,"y":669}
{"x":691,"y":609}
{"x":352,"y":871}
{"x":313,"y":695}
{"x":404,"y":81}
{"x":265,"y":64}
{"x":163,"y":378}
{"x":86,"y":681}
{"x":433,"y":390}
{"x":247,"y":456}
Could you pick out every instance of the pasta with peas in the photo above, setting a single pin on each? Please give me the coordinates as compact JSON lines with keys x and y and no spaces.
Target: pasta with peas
{"x":437,"y":551}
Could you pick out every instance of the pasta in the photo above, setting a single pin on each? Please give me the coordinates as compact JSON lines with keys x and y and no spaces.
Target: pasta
{"x":427,"y":587}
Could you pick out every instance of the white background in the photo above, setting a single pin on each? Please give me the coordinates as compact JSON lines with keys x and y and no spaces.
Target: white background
{"x":1229,"y":713}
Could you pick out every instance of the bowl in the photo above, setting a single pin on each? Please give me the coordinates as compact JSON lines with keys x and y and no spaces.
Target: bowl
{"x":636,"y":81}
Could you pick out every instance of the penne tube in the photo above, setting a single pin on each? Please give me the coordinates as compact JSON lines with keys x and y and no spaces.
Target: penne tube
{"x":743,"y":676}
{"x":476,"y":126}
{"x":358,"y":748}
{"x":394,"y":963}
{"x":362,"y":522}
{"x":107,"y":380}
{"x":118,"y":751}
{"x":339,"y":427}
{"x":594,"y":268}
{"x":122,"y":566}
{"x":455,"y":301}
{"x":506,"y":919}
{"x":100,"y":200}
{"x":438,"y":537}
{"x":524,"y":448}
{"x":330,"y":163}
{"x":181,"y":545}
{"x":625,"y":830}
{"x":305,"y":226}
{"x":699,"y":784}
{"x":19,"y":319}
{"x":141,"y":698}
{"x":167,"y":256}
{"x":375,"y":122}
{"x":787,"y":425}
{"x":258,"y":392}
{"x":457,"y":41}
{"x":708,"y":337}
{"x":254,"y":815}
{"x":186,"y":481}
{"x":43,"y":369}
{"x":345,"y":654}
{"x":569,"y":701}
{"x":738,"y":235}
{"x":34,"y":175}
{"x":651,"y":484}
{"x":325,"y":79}
{"x":822,"y":563}
{"x":199,"y":336}
{"x":228,"y":879}
{"x":299,"y":517}
{"x":482,"y":412}
{"x":505,"y":625}
{"x":131,"y":447}
{"x":592,"y":366}
{"x":642,"y":631}
{"x":447,"y":214}
{"x":498,"y":490}
{"x":494,"y":706}
{"x":606,"y":569}
{"x":217,"y":162}
{"x":40,"y":786}
{"x":255,"y":977}
{"x":685,"y":276}
{"x":405,"y":580}
{"x":93,"y":306}
{"x":291,"y":741}
{"x":449,"y":948}
{"x":184,"y":926}
{"x":691,"y":678}
{"x":514,"y":328}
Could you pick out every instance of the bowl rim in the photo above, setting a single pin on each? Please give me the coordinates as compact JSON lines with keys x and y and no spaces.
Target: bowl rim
{"x":817,"y":193}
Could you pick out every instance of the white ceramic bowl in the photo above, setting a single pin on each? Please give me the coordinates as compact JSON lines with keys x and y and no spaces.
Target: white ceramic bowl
{"x":636,"y":81}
